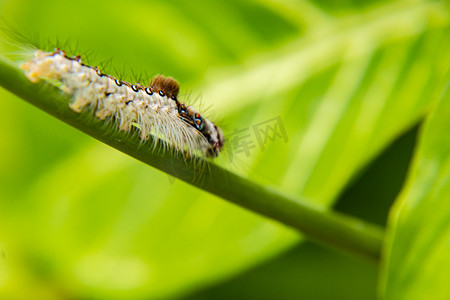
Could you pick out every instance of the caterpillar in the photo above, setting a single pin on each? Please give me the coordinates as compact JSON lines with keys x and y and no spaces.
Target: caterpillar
{"x":154,"y":109}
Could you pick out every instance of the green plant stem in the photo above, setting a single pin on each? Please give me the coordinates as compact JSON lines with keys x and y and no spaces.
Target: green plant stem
{"x":317,"y":223}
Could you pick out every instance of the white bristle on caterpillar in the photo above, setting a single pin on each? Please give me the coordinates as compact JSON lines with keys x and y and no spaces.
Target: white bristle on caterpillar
{"x":154,"y":110}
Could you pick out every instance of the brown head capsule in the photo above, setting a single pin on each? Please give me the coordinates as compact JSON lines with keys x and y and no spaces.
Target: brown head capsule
{"x":165,"y":86}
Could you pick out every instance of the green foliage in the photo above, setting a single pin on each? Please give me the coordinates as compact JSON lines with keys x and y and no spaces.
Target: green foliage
{"x":418,"y":249}
{"x":79,"y":219}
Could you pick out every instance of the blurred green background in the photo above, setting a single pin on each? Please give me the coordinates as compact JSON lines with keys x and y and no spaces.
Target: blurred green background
{"x":347,"y":80}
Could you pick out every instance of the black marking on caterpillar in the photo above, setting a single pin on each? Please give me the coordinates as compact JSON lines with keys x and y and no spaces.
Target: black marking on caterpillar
{"x":154,"y":108}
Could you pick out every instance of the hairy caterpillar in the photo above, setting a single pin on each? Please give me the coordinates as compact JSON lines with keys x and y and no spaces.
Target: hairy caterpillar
{"x":154,"y":109}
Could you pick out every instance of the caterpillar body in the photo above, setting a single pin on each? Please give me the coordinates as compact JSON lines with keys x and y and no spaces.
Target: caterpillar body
{"x":154,"y":109}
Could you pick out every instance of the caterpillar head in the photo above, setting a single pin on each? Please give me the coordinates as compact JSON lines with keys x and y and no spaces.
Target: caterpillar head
{"x":216,"y":141}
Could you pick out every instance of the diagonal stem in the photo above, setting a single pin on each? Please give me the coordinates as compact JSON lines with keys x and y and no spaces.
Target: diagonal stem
{"x":317,"y":223}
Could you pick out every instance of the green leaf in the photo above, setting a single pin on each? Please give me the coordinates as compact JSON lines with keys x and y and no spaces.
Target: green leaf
{"x":343,"y":91}
{"x":417,"y":255}
{"x":345,"y":81}
{"x":326,"y":227}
